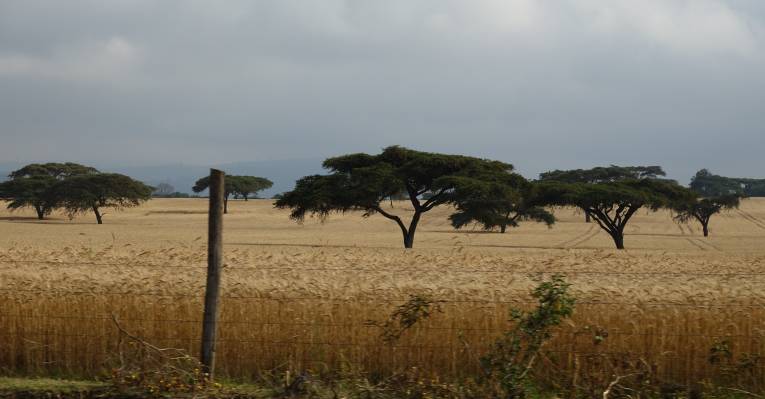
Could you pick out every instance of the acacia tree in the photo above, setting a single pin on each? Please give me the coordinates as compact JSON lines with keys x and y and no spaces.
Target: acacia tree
{"x":93,"y":192}
{"x":32,"y":185}
{"x":499,"y":204}
{"x":235,"y":185}
{"x":716,"y":193}
{"x":602,"y":174}
{"x":362,"y":182}
{"x":702,"y":209}
{"x":250,"y":185}
{"x":33,"y":191}
{"x":612,"y":204}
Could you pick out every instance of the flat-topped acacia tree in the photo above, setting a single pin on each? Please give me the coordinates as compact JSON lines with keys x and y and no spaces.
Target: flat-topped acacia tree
{"x":32,"y":185}
{"x":93,"y":192}
{"x":362,"y":182}
{"x":702,"y":209}
{"x":612,"y":204}
{"x":245,"y":186}
{"x":603,"y":174}
{"x":499,"y":203}
{"x":716,"y":193}
{"x":235,"y":185}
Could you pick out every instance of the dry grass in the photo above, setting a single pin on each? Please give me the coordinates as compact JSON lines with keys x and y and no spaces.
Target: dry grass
{"x":302,"y":296}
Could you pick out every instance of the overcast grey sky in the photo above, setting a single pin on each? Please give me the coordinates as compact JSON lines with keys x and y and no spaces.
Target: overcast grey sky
{"x":542,"y":84}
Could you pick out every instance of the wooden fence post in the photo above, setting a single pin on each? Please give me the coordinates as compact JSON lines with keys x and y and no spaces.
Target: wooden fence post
{"x":214,"y":260}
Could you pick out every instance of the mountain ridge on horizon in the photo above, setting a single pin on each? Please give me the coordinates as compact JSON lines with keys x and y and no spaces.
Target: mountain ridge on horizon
{"x":182,"y":176}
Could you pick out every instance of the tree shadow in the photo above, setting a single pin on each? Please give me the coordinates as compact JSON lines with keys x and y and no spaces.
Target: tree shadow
{"x":20,"y":219}
{"x":462,"y":231}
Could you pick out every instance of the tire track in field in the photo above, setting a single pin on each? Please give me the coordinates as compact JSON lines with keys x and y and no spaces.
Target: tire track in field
{"x":588,"y":237}
{"x":566,"y":244}
{"x":696,"y":244}
{"x":751,"y":219}
{"x":704,"y":242}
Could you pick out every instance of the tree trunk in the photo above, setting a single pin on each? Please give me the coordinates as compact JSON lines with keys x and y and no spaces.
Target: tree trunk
{"x":705,"y":227}
{"x":618,"y":239}
{"x":98,"y":215}
{"x":587,"y":217}
{"x":225,"y":204}
{"x":503,"y":228}
{"x":40,"y":212}
{"x":409,"y":234}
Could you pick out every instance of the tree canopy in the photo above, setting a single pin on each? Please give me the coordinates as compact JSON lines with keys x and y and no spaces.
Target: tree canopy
{"x":362,"y":182}
{"x":603,"y":174}
{"x":612,"y":204}
{"x":715,"y":194}
{"x":708,"y":184}
{"x":498,"y":203}
{"x":29,"y":191}
{"x":93,"y":192}
{"x":702,"y":209}
{"x":243,"y":186}
{"x":53,"y":169}
{"x":32,"y":185}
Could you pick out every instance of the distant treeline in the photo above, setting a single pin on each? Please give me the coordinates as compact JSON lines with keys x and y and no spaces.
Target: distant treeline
{"x":706,"y":183}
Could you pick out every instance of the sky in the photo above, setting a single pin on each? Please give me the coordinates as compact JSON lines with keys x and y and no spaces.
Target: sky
{"x":542,"y":84}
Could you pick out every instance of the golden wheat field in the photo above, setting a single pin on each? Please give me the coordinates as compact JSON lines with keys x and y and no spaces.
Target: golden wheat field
{"x":313,"y":295}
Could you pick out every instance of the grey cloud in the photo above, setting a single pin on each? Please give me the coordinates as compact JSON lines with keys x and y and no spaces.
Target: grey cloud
{"x":541,"y":84}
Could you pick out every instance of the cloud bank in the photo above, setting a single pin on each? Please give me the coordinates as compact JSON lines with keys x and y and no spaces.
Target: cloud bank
{"x":542,"y":84}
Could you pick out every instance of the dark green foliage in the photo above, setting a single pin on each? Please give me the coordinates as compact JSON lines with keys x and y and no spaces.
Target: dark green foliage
{"x":612,"y":204}
{"x":754,"y":187}
{"x":30,"y":191}
{"x":710,"y":185}
{"x":53,"y":169}
{"x":363,"y":181}
{"x":243,"y":186}
{"x":84,"y":193}
{"x":511,"y":358}
{"x":32,"y":185}
{"x":603,"y":174}
{"x":498,"y":203}
{"x":702,"y":209}
{"x":418,"y":308}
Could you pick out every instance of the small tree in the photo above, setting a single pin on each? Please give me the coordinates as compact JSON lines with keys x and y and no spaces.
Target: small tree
{"x":362,"y":182}
{"x":702,"y":209}
{"x":236,"y":185}
{"x":32,"y":191}
{"x":32,"y":185}
{"x":613,"y":204}
{"x":499,"y":204}
{"x":510,"y":360}
{"x":250,"y":185}
{"x":603,"y":174}
{"x":85,"y":193}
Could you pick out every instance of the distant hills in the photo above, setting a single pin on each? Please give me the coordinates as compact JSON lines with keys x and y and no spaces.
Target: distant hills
{"x":283,"y":173}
